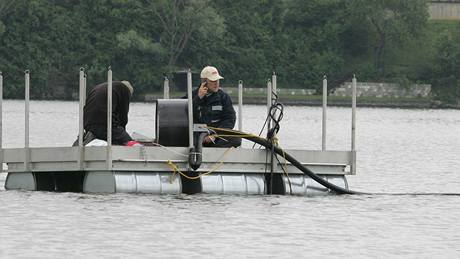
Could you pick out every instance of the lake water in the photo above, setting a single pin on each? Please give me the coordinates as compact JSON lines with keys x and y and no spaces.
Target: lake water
{"x":410,"y":152}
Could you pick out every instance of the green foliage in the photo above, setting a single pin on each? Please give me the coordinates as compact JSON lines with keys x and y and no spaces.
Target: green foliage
{"x":132,"y":40}
{"x":378,"y":40}
{"x":446,"y":72}
{"x":2,"y":28}
{"x":389,"y":26}
{"x":180,"y":20}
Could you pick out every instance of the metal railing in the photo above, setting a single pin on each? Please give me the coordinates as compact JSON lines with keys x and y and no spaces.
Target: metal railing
{"x":26,"y":123}
{"x":323,"y":135}
{"x":240,"y":105}
{"x":1,"y":122}
{"x":166,"y":88}
{"x":271,"y":88}
{"x":353,"y":121}
{"x":81,"y":105}
{"x":190,"y":108}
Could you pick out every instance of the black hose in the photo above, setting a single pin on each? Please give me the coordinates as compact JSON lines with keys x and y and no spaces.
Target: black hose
{"x":292,"y":160}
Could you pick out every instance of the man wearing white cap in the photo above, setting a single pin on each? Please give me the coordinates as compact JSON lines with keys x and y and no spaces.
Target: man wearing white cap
{"x":214,"y":107}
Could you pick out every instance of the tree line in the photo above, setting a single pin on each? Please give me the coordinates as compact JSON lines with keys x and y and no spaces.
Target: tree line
{"x":145,"y":40}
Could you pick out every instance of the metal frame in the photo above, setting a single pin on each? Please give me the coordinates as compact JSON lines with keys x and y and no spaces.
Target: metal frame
{"x":82,"y":97}
{"x":155,"y":159}
{"x":274,"y":83}
{"x":269,"y":101}
{"x":166,"y":88}
{"x":353,"y":125}
{"x":323,"y":136}
{"x":1,"y":122}
{"x":190,"y":108}
{"x":353,"y":121}
{"x":26,"y":121}
{"x":109,"y":119}
{"x":240,"y":105}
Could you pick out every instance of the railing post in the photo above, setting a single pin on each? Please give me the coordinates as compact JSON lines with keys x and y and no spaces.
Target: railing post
{"x":274,"y":88}
{"x":109,"y":119}
{"x":240,"y":105}
{"x":1,"y":122}
{"x":269,"y":103}
{"x":272,"y":93}
{"x":166,"y":88}
{"x":190,"y":108}
{"x":26,"y":121}
{"x":324,"y":112}
{"x":353,"y":125}
{"x":81,"y":102}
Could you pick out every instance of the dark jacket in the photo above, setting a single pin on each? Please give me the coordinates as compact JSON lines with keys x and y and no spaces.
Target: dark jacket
{"x":215,"y":110}
{"x":95,"y":110}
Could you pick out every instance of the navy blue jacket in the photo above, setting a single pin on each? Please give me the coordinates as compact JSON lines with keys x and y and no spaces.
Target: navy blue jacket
{"x":214,"y":109}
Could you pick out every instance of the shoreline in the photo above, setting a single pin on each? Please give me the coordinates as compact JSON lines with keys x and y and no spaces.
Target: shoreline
{"x":333,"y":103}
{"x":315,"y":101}
{"x":413,"y":103}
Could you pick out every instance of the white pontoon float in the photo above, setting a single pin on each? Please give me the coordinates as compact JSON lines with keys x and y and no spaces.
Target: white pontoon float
{"x":165,"y":169}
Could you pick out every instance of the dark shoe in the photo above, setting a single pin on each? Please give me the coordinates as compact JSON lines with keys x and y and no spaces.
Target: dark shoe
{"x":88,"y":136}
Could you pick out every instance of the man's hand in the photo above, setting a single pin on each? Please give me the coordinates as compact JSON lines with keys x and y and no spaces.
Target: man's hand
{"x":209,"y":139}
{"x":203,"y":90}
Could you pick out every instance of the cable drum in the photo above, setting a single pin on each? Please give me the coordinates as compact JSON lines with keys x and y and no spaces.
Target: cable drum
{"x":172,"y":122}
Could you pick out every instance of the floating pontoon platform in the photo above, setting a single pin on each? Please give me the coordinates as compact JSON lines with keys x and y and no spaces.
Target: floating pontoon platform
{"x":166,"y":169}
{"x":155,"y":170}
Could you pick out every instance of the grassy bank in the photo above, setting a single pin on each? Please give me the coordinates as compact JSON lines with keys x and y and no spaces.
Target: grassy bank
{"x":316,"y":100}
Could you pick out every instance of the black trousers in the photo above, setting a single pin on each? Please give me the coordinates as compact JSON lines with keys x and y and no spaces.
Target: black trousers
{"x":119,"y":135}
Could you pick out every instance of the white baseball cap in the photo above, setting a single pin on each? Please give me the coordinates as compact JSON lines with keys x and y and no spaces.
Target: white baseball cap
{"x":210,"y":73}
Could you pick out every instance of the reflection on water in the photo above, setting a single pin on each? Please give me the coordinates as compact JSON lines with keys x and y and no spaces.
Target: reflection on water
{"x":399,"y":151}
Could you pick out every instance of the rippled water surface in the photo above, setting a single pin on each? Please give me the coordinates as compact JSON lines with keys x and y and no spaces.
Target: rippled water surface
{"x":399,"y":151}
